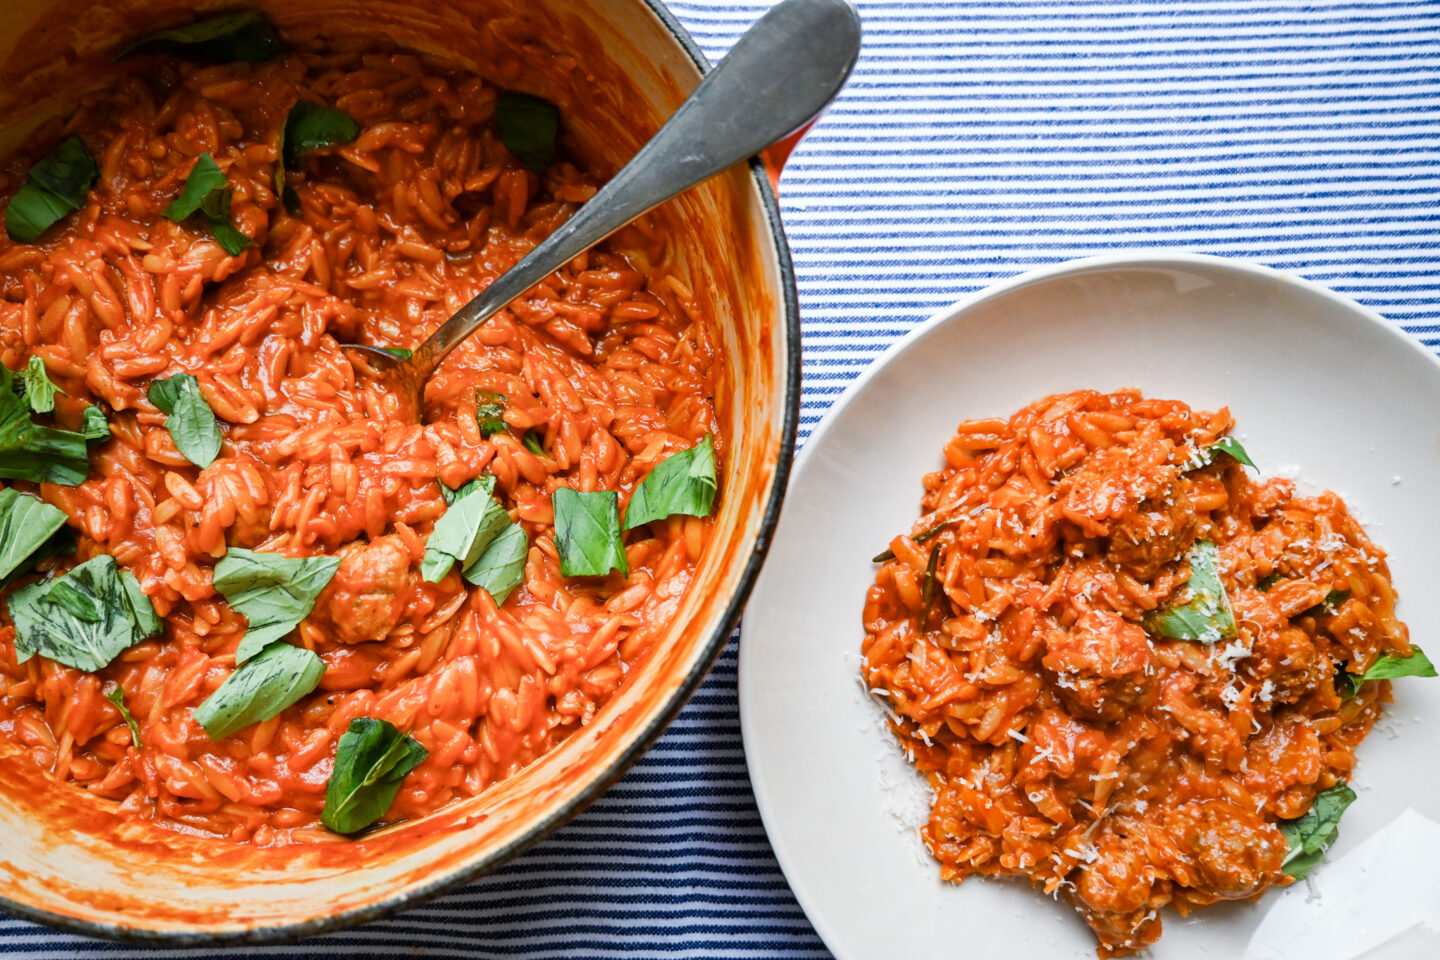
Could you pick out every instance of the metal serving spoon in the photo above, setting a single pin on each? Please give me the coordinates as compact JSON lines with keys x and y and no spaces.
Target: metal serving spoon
{"x":778,"y":78}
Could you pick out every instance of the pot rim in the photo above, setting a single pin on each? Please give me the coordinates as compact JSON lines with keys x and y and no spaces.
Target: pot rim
{"x":709,"y":652}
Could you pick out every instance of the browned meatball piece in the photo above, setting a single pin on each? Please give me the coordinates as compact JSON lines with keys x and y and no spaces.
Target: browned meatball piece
{"x":368,"y":594}
{"x":1098,"y":664}
{"x":1120,"y":890}
{"x":1232,"y":852}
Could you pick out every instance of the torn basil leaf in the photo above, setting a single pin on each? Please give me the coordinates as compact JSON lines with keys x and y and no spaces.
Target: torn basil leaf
{"x":534,"y":442}
{"x":217,"y":215}
{"x":1231,"y":448}
{"x":468,"y":526}
{"x":188,"y":417}
{"x":38,"y":390}
{"x":1329,"y":605}
{"x":1346,"y":683}
{"x":490,"y":412}
{"x":1391,"y":667}
{"x":267,"y":683}
{"x":587,"y":533}
{"x":26,"y":523}
{"x":501,"y":568}
{"x":529,"y":127}
{"x":94,"y":426}
{"x":1226,"y":445}
{"x":117,"y":697}
{"x":83,"y":619}
{"x":371,"y":760}
{"x":682,"y":483}
{"x":486,"y":482}
{"x":1388,"y":667}
{"x":246,"y":36}
{"x":208,"y":192}
{"x":308,"y":126}
{"x":311,"y":126}
{"x":205,"y":178}
{"x":399,"y":353}
{"x":1205,"y":614}
{"x":56,"y":185}
{"x":1269,"y":580}
{"x":29,"y":451}
{"x":1311,"y":835}
{"x":273,"y":592}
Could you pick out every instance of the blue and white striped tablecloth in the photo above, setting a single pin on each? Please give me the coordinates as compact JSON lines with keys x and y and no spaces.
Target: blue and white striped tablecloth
{"x":976,"y":140}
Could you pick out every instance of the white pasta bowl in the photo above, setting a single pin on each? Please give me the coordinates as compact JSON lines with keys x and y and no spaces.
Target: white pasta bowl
{"x":617,"y":68}
{"x":1321,"y":388}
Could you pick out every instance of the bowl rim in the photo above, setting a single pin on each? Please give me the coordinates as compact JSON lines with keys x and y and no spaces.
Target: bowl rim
{"x":709,"y":651}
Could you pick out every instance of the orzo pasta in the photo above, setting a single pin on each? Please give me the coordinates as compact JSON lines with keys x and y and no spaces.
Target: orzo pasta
{"x":1130,"y":671}
{"x":372,"y":234}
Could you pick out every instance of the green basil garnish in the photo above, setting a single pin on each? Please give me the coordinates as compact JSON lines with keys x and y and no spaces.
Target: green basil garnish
{"x":308,"y":126}
{"x":26,"y":523}
{"x":204,"y":181}
{"x":94,"y":426}
{"x":462,"y":534}
{"x":1269,"y":580}
{"x":29,"y":451}
{"x":534,"y":442}
{"x":501,"y":568}
{"x":117,"y":697}
{"x":499,"y":565}
{"x":56,"y":186}
{"x":682,"y":483}
{"x":371,"y":760}
{"x":39,"y":392}
{"x":273,"y":592}
{"x":1311,"y":835}
{"x":1346,"y":684}
{"x":208,"y":192}
{"x":587,"y":533}
{"x":1391,"y":667}
{"x":1226,"y":445}
{"x":244,"y":36}
{"x":399,"y":353}
{"x":529,"y":127}
{"x":490,"y":412}
{"x":1388,"y":667}
{"x":260,"y":688}
{"x":1206,"y":614}
{"x":188,"y":417}
{"x":311,"y":126}
{"x":83,"y":619}
{"x":486,"y":482}
{"x":1231,"y":448}
{"x":1329,"y":605}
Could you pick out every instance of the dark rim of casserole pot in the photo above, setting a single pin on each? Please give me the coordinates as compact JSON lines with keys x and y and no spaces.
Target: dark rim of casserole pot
{"x":714,"y":644}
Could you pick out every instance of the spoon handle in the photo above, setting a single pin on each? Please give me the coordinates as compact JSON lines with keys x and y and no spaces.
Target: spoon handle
{"x":778,"y":77}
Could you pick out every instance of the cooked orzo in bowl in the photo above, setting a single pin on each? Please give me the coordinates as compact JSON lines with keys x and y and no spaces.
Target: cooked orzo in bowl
{"x":1131,"y":671}
{"x":253,"y":616}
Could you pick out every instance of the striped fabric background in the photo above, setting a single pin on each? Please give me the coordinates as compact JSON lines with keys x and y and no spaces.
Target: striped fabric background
{"x":977,"y":139}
